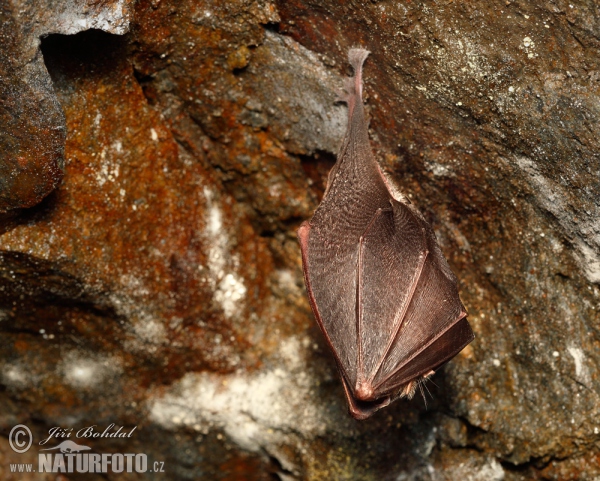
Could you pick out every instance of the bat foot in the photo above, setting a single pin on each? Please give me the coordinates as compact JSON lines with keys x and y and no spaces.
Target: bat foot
{"x":410,"y":388}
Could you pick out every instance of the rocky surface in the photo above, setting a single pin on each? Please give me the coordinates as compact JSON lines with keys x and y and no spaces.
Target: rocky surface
{"x":33,"y":125}
{"x":159,"y":285}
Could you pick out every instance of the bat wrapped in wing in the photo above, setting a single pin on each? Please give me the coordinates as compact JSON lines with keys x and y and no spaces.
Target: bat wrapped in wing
{"x":378,"y":283}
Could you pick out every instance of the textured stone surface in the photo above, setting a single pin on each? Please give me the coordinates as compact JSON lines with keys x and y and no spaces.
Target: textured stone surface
{"x":489,"y":120}
{"x":160,"y":284}
{"x":32,"y":133}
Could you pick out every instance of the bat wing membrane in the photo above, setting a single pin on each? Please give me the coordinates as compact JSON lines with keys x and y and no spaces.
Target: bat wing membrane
{"x":387,"y":262}
{"x":441,"y":350}
{"x":330,"y":250}
{"x":434,"y":310}
{"x":332,"y":301}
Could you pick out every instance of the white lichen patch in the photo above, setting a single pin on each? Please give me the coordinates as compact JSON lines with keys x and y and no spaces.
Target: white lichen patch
{"x":528,"y":45}
{"x":491,"y":471}
{"x":287,"y":281}
{"x":228,"y":287}
{"x":438,"y":170}
{"x":276,"y":190}
{"x":82,"y":371}
{"x":134,"y":285}
{"x":589,"y":259}
{"x":108,"y":170}
{"x":145,"y":328}
{"x":231,"y":290}
{"x":16,"y":375}
{"x":150,"y":331}
{"x":581,"y":370}
{"x":71,"y":17}
{"x":256,"y":411}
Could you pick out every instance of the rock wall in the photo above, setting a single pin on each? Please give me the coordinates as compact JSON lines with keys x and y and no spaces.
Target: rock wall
{"x":159,"y":284}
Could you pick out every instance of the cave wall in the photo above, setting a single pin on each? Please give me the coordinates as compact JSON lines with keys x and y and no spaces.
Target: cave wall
{"x":157,"y":160}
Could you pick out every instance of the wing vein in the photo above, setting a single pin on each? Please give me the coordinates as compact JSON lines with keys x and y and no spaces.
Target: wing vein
{"x":423,"y":348}
{"x":399,"y":318}
{"x":359,"y":305}
{"x":359,"y":312}
{"x":360,"y":373}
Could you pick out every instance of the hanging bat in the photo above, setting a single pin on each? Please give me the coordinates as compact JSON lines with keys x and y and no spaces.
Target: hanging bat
{"x":378,"y":283}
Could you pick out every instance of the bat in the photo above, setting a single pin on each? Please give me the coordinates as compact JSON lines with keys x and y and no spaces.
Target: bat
{"x":378,"y":284}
